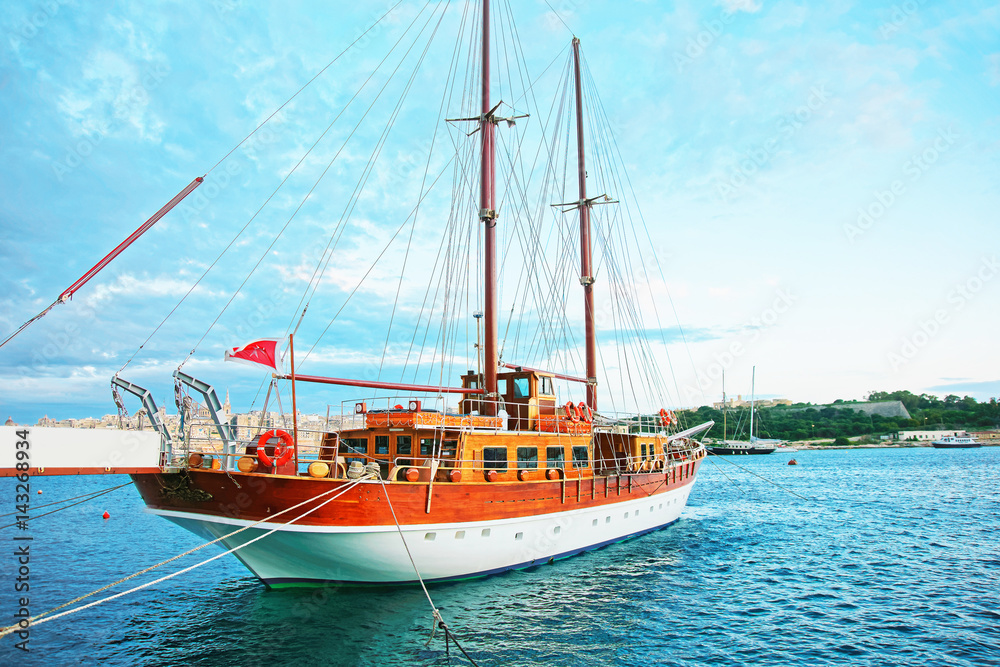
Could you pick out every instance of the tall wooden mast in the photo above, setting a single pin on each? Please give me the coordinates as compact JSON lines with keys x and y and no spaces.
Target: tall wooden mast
{"x":488,"y":216}
{"x":586,"y":275}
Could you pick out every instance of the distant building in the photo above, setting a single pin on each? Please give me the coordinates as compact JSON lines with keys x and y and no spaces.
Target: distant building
{"x":738,"y":402}
{"x":986,"y":437}
{"x":9,"y":422}
{"x":925,"y":435}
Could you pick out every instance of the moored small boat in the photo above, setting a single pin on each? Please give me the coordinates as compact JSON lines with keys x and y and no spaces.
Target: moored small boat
{"x":956,"y":442}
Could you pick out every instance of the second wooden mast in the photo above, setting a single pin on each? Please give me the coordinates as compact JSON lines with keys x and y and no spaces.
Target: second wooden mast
{"x":586,"y":273}
{"x":488,"y":216}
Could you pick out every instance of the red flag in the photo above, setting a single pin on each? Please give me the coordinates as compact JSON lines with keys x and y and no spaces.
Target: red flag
{"x":264,"y":352}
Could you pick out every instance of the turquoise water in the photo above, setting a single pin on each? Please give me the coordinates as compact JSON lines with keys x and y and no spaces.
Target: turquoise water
{"x":896,"y":562}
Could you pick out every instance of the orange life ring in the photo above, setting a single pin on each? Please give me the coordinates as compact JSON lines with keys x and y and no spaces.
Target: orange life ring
{"x":572,"y":412}
{"x":586,"y":414}
{"x":282,"y":452}
{"x":667,"y":418}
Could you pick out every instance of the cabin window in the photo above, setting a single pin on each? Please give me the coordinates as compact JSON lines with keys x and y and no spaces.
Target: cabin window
{"x":502,"y":386}
{"x":643,"y":450}
{"x":581,"y":457}
{"x":495,"y":458}
{"x":449,"y":448}
{"x":521,"y":388}
{"x":546,"y":386}
{"x":381,"y":444}
{"x":403,"y":445}
{"x":527,"y":458}
{"x":427,"y":446}
{"x":355,"y":445}
{"x":556,"y":457}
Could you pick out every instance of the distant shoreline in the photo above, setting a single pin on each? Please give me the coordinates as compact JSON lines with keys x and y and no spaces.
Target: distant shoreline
{"x":895,"y":445}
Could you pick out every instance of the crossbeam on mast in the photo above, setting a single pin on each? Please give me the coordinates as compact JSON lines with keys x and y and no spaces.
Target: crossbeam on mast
{"x":373,"y":384}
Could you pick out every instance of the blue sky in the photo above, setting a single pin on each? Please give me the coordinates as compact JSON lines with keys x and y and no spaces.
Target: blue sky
{"x":820,"y":180}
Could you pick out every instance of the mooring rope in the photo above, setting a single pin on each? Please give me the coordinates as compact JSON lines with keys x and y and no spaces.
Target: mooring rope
{"x":719,"y":468}
{"x":38,"y":619}
{"x":438,"y":619}
{"x":769,"y":481}
{"x":92,"y":495}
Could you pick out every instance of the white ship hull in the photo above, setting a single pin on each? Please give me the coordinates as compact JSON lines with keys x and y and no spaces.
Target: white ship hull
{"x":376,"y":555}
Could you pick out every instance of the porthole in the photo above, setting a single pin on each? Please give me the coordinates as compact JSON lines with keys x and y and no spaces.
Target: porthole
{"x":594,"y":522}
{"x":557,"y":530}
{"x":486,"y":532}
{"x":430,"y":536}
{"x":460,"y":535}
{"x":519,"y":536}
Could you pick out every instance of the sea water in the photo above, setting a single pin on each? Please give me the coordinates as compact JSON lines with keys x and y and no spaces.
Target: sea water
{"x":857,"y":557}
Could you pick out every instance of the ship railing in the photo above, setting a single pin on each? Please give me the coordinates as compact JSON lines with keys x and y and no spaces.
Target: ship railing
{"x":428,"y":407}
{"x":603,"y":421}
{"x":202,"y":438}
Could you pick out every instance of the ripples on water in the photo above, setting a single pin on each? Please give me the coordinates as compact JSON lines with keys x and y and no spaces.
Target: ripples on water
{"x":896,"y":564}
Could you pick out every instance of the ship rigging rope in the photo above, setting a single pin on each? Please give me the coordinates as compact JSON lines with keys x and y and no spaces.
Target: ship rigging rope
{"x":306,"y":85}
{"x":324,"y":260}
{"x":769,"y":481}
{"x":558,"y":16}
{"x":449,"y":248}
{"x":370,"y":269}
{"x":438,"y":620}
{"x":462,"y":209}
{"x":445,"y":97}
{"x":85,"y":496}
{"x":616,"y":157}
{"x":326,"y":169}
{"x":45,"y":616}
{"x":280,"y":185}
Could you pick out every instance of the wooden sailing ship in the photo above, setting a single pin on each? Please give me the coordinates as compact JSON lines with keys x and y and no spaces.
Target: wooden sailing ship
{"x":512,"y":477}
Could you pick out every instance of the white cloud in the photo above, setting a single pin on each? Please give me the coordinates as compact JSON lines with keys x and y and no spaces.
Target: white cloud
{"x":128,"y":285}
{"x":749,"y":6}
{"x":113,"y":98}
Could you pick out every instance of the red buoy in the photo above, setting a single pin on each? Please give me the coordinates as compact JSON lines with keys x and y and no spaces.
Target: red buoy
{"x":793,"y":462}
{"x":39,"y":492}
{"x":106,"y":515}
